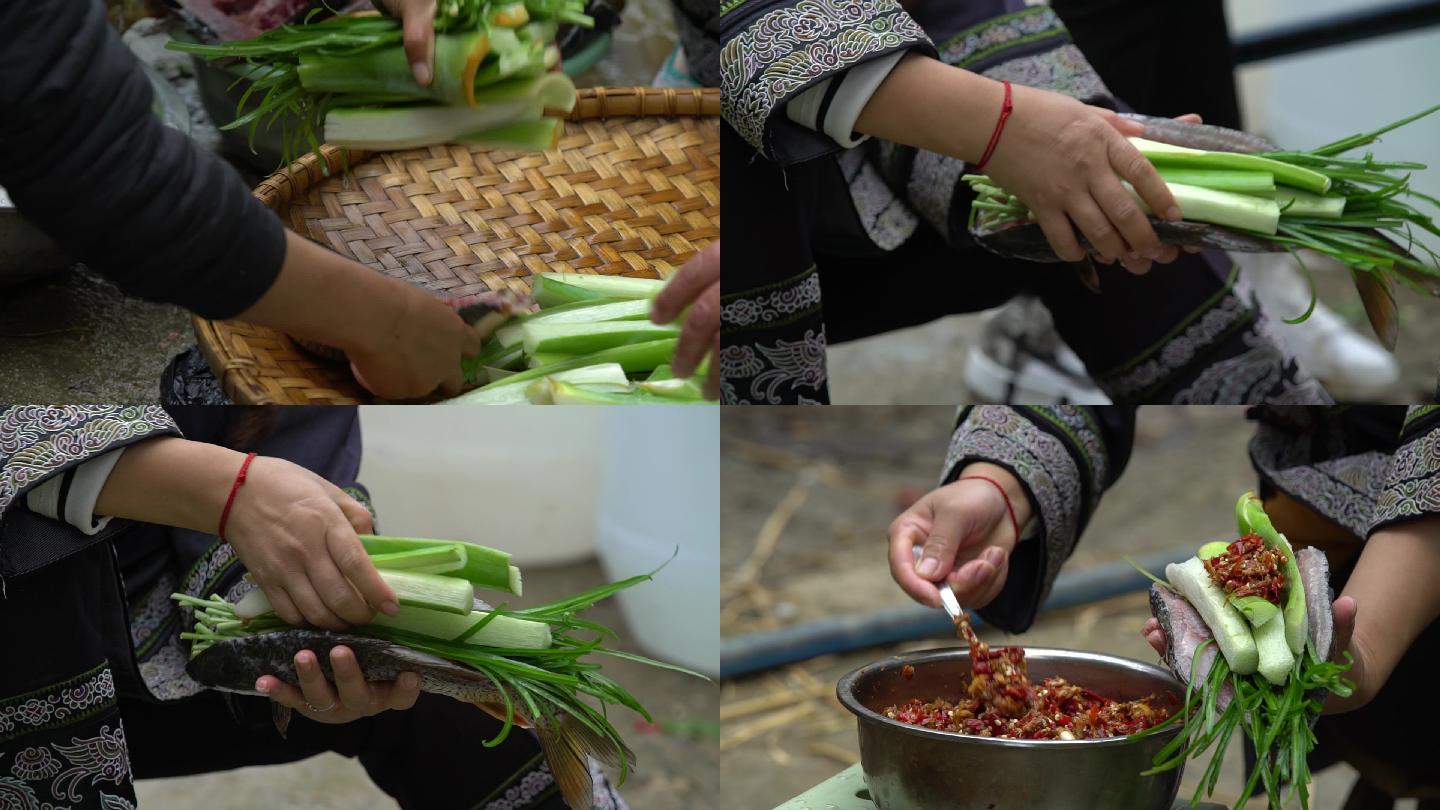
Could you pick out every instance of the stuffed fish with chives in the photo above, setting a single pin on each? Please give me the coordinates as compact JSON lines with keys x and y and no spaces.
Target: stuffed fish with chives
{"x":1249,"y":627}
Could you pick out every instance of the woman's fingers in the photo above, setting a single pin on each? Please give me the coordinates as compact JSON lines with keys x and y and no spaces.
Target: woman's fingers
{"x":698,"y":274}
{"x":402,"y":693}
{"x":312,"y":607}
{"x":1060,"y":234}
{"x":418,"y":18}
{"x":314,"y":688}
{"x":280,"y":600}
{"x":906,"y":532}
{"x":979,"y":581}
{"x":1344,"y":610}
{"x":338,"y":594}
{"x":700,"y":332}
{"x":1190,"y":118}
{"x":1125,"y":214}
{"x":1097,"y":228}
{"x":1132,"y":167}
{"x":355,"y":512}
{"x":1154,"y":635}
{"x":348,"y":555}
{"x":280,"y":692}
{"x":355,"y":694}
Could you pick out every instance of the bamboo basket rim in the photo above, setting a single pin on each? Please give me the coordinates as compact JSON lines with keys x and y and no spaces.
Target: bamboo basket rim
{"x":239,"y":375}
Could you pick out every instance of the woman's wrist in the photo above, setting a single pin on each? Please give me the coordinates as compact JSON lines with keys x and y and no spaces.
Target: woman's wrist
{"x":172,"y":482}
{"x":325,"y":297}
{"x":930,"y":105}
{"x":1019,"y":501}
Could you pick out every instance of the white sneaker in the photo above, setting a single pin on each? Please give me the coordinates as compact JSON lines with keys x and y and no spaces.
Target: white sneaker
{"x":1349,"y":364}
{"x":1020,"y":359}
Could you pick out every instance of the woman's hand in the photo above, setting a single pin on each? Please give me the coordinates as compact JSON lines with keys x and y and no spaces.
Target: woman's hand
{"x":1062,"y":158}
{"x":420,"y":350}
{"x":418,"y":18}
{"x":350,"y":698}
{"x":964,"y":528}
{"x":296,"y":533}
{"x":696,"y":286}
{"x":402,"y":342}
{"x":1058,"y":155}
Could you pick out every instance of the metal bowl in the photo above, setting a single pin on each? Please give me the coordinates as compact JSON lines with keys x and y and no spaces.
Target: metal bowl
{"x":913,"y":768}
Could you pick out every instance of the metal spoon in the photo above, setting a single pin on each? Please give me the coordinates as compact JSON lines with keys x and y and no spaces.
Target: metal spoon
{"x":947,"y":594}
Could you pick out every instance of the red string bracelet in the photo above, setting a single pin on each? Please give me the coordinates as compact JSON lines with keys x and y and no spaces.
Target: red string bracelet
{"x":234,"y":489}
{"x":999,"y":127}
{"x":1009,"y":507}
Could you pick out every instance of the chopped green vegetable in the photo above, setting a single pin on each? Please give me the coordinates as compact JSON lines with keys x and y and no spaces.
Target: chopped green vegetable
{"x":498,"y":630}
{"x":431,"y":591}
{"x":1232,"y":632}
{"x":1252,"y":514}
{"x":575,"y":338}
{"x":484,"y":567}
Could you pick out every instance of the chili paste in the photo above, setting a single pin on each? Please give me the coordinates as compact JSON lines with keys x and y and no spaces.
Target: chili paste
{"x":1002,"y":702}
{"x":1249,"y":568}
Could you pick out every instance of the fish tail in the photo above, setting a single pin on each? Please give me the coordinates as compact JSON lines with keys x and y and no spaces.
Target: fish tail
{"x":568,"y":745}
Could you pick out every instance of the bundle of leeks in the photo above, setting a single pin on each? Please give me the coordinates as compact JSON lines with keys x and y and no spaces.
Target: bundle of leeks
{"x":348,"y":77}
{"x":1348,"y":208}
{"x":590,"y":343}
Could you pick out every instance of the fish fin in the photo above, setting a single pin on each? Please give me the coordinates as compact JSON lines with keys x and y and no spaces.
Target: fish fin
{"x":1378,"y":295}
{"x":281,"y":715}
{"x":597,"y":746}
{"x":569,"y":766}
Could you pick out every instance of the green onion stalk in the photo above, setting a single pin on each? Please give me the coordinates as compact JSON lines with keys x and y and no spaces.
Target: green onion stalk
{"x":1360,"y":211}
{"x":348,"y":78}
{"x":541,"y":681}
{"x":590,"y":343}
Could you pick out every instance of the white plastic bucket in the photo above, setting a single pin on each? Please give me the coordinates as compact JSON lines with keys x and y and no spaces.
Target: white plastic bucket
{"x":526,"y":480}
{"x":661,"y":492}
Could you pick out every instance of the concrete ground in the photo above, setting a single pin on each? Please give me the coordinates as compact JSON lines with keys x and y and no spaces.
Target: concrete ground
{"x":676,"y":765}
{"x":828,"y":482}
{"x":74,"y":337}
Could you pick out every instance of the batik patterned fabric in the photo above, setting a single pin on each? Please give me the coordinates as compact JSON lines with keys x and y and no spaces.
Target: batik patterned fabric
{"x":62,"y":746}
{"x":1064,"y":461}
{"x":38,"y":441}
{"x":1411,"y":485}
{"x":790,"y":367}
{"x":770,"y":50}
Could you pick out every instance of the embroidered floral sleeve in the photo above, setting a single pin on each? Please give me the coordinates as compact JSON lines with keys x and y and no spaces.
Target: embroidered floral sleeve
{"x":1411,"y":484}
{"x":39,"y":441}
{"x":772,"y":50}
{"x":1065,"y":458}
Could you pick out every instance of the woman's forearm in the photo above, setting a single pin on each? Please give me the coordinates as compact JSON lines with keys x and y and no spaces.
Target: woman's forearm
{"x":930,"y":105}
{"x":172,"y":482}
{"x":1395,"y":596}
{"x":326,"y":297}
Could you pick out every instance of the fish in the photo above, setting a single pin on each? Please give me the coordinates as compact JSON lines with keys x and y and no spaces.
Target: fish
{"x":1200,"y":136}
{"x":1027,"y":241}
{"x":489,"y":310}
{"x":234,"y":665}
{"x":1319,"y":599}
{"x":1185,"y":631}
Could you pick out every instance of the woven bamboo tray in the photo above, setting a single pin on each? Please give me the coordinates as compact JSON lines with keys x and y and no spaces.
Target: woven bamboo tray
{"x":633,"y":189}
